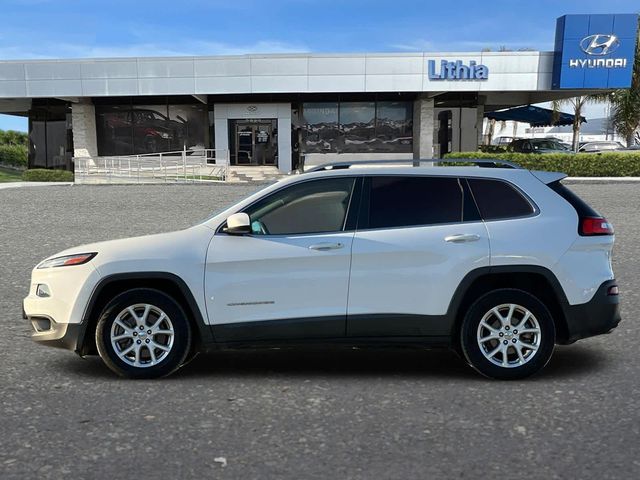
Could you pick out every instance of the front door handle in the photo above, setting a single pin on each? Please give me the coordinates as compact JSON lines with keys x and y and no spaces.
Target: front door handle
{"x":462,"y":238}
{"x":324,"y":246}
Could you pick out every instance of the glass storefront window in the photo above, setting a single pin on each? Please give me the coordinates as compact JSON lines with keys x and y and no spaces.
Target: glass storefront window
{"x":394,"y":127}
{"x":139,"y":129}
{"x":56,"y":144}
{"x":50,"y":135}
{"x":37,"y":144}
{"x":357,"y":127}
{"x":153,"y":132}
{"x":188,"y":121}
{"x":321,"y":133}
{"x":357,"y":122}
{"x":113,"y":129}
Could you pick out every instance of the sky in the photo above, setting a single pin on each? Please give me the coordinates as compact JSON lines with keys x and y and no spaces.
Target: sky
{"x":34,"y":29}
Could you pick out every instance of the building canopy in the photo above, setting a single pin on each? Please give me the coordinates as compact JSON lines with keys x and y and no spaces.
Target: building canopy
{"x":534,"y":116}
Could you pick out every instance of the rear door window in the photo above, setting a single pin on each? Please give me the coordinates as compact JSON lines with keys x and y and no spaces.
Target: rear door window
{"x":404,"y":201}
{"x":498,"y":200}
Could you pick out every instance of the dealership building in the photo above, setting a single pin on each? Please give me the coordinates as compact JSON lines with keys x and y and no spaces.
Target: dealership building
{"x":276,"y":110}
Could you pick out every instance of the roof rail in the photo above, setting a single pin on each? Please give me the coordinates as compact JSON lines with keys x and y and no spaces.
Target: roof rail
{"x":481,"y":162}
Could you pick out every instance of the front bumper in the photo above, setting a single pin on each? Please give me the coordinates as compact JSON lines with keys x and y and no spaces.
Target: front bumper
{"x":56,"y":317}
{"x":599,"y":315}
{"x":46,"y":331}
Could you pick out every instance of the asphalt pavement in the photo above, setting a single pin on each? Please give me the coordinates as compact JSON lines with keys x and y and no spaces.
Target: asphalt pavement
{"x":365,"y":414}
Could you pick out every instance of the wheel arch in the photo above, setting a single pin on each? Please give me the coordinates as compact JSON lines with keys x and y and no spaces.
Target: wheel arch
{"x":536,"y":280}
{"x":166,"y":282}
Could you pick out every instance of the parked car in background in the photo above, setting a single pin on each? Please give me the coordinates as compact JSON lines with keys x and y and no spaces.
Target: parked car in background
{"x":634,"y":148}
{"x":567,"y":145}
{"x":537,"y":145}
{"x":503,"y":141}
{"x":599,"y":146}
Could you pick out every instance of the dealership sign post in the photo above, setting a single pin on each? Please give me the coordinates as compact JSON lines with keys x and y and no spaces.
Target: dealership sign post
{"x":594,"y":51}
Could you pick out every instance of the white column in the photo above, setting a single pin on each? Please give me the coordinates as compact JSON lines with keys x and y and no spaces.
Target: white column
{"x":480,"y":125}
{"x":221,"y":129}
{"x":83,"y":119}
{"x":423,"y":128}
{"x":284,"y":138}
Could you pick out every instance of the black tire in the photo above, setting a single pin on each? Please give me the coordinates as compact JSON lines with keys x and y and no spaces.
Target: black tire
{"x":516,"y":369}
{"x":169,"y":361}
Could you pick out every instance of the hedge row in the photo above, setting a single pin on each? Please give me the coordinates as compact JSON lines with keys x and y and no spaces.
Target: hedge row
{"x":13,"y":155}
{"x":43,"y":175}
{"x":614,"y":164}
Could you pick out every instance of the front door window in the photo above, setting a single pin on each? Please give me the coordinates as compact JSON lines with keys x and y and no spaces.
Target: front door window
{"x":318,"y":206}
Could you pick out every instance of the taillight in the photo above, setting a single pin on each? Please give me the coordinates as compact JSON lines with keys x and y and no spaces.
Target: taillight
{"x":595,"y":226}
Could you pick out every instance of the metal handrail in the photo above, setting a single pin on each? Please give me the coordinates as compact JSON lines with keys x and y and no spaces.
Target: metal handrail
{"x":414,"y":163}
{"x":164,"y":167}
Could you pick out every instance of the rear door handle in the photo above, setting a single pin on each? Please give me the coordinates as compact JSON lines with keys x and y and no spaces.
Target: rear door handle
{"x":324,"y":246}
{"x":462,"y":238}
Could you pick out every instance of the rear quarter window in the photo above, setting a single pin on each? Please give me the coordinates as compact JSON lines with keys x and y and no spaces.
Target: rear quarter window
{"x":498,"y":200}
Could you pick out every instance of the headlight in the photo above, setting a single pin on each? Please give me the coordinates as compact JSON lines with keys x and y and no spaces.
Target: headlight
{"x":164,"y":135}
{"x":67,"y":260}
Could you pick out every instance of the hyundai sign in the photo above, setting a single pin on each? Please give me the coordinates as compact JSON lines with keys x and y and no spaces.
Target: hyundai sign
{"x":594,"y":51}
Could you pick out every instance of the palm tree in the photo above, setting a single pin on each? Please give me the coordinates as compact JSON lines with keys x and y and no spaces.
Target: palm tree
{"x":625,"y":104}
{"x":577,"y":104}
{"x":625,"y":108}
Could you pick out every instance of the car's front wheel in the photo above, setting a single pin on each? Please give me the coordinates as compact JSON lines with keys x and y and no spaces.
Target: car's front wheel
{"x":507,"y":334}
{"x":143,"y":333}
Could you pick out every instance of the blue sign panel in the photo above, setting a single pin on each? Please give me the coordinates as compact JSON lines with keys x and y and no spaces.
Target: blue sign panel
{"x":594,"y":51}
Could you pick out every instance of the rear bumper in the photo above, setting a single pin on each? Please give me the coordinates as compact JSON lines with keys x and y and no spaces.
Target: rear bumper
{"x":599,"y":315}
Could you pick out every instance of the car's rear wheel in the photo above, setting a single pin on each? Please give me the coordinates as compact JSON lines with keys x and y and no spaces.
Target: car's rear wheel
{"x":507,"y":334}
{"x":143,"y":333}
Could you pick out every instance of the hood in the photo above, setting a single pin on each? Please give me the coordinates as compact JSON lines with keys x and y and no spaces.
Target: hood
{"x":149,"y":252}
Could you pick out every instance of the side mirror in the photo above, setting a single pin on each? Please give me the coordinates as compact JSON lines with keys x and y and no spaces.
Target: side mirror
{"x":238,"y":224}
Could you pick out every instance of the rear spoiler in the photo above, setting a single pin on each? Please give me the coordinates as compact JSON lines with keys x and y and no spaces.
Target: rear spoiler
{"x":548,"y":177}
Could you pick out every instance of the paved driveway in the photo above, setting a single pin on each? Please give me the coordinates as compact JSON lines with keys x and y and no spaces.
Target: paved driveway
{"x":300,"y":414}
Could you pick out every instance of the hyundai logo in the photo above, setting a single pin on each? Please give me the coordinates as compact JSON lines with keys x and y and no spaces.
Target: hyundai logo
{"x":599,"y":44}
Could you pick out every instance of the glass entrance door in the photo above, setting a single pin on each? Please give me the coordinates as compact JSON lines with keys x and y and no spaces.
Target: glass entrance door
{"x":244,"y":144}
{"x":254,"y":142}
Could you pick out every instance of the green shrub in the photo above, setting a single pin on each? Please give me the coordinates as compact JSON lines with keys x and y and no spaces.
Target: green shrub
{"x":492,"y":148}
{"x":13,"y":155}
{"x":610,"y":164}
{"x":43,"y":175}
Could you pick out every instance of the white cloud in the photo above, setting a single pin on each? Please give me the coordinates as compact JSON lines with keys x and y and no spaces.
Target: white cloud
{"x":464,"y":45}
{"x":147,"y":49}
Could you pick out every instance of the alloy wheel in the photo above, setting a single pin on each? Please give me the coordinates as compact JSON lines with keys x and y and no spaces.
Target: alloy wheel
{"x":142,"y":335}
{"x":509,"y":335}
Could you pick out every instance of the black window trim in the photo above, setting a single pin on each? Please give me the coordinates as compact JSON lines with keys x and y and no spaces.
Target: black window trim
{"x":527,"y":198}
{"x":349,"y":221}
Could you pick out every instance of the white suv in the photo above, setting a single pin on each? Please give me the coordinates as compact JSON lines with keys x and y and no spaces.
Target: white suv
{"x":498,"y":263}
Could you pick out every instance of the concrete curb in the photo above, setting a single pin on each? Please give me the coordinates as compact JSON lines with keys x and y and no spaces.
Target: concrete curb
{"x":34,"y":184}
